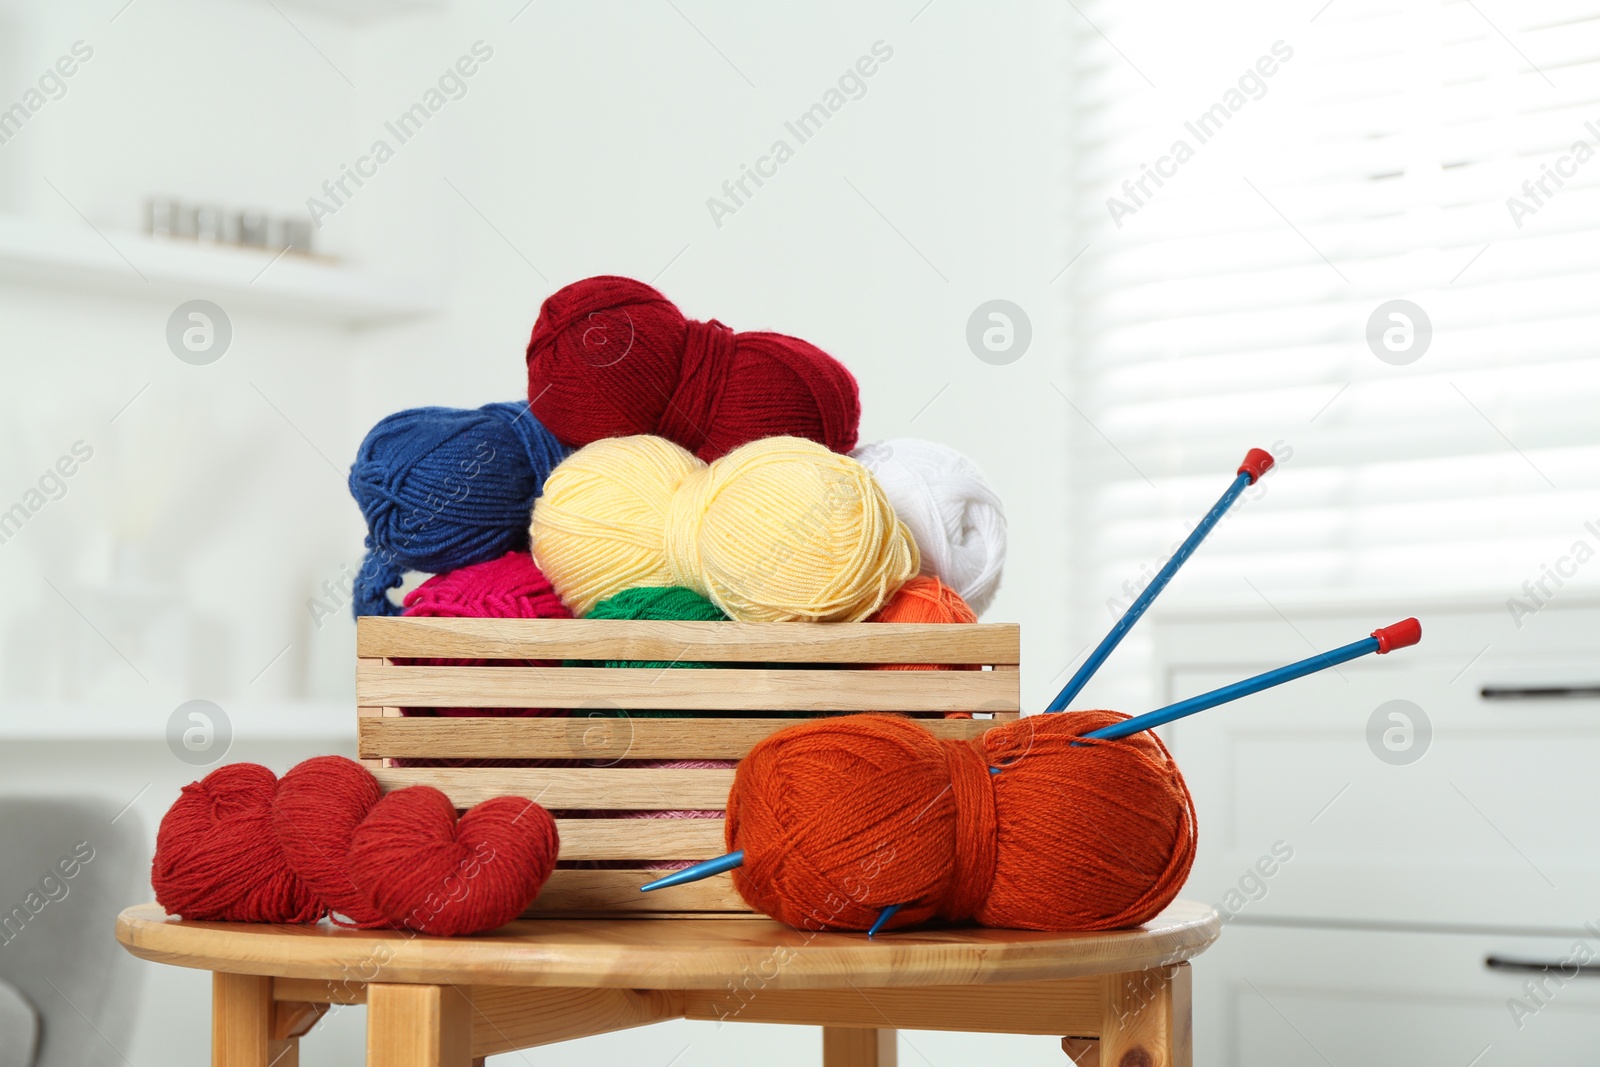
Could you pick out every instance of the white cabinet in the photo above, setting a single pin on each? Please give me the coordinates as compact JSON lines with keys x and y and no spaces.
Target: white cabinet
{"x":1371,"y":853}
{"x":1304,"y":997}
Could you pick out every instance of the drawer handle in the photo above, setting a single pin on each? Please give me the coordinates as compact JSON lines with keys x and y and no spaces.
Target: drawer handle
{"x":1538,"y":692}
{"x":1562,"y":967}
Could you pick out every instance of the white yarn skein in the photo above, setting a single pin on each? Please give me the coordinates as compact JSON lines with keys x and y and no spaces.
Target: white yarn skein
{"x":951,"y":510}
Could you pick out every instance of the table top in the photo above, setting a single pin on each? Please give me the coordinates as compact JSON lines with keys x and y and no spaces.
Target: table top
{"x":666,"y":953}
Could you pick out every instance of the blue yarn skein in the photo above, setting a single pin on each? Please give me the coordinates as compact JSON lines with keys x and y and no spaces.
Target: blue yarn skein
{"x":443,"y":488}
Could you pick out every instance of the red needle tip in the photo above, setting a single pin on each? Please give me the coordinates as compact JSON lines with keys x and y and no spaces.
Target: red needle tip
{"x":1402,"y":634}
{"x":1257,"y":462}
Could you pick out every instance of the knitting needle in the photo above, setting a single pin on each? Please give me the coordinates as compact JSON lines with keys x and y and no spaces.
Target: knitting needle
{"x":1256,"y":463}
{"x":704,"y":869}
{"x":1383,"y":640}
{"x":883,"y":916}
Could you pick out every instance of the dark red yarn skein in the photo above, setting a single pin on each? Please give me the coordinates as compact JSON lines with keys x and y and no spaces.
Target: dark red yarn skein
{"x":316,"y":811}
{"x":611,"y":357}
{"x":217,"y":857}
{"x":435,"y":875}
{"x":242,"y":845}
{"x":839,"y":818}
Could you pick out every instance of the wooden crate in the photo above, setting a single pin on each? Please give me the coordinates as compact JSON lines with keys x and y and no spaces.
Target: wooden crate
{"x":767,"y":676}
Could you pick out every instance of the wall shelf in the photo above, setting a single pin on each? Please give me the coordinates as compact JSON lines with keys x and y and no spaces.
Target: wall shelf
{"x":77,"y":258}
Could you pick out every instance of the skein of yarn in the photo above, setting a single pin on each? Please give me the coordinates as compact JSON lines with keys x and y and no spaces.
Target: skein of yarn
{"x":951,"y":509}
{"x":430,"y":873}
{"x":612,"y":357}
{"x":241,"y":845}
{"x":442,"y":488}
{"x":925,"y":599}
{"x":510,"y":587}
{"x":778,"y":530}
{"x":667,"y":603}
{"x":783,"y":530}
{"x":600,"y":527}
{"x":315,"y":812}
{"x":218,"y":859}
{"x":839,"y":818}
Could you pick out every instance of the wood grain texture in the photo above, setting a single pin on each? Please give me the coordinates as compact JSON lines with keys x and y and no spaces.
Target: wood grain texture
{"x":579,"y":892}
{"x":626,"y":839}
{"x":843,"y":1047}
{"x":1146,"y":1018}
{"x":506,"y":1019}
{"x":242,"y":1024}
{"x":319,"y":990}
{"x":562,"y":788}
{"x":418,"y":1026}
{"x":684,"y":954}
{"x":1070,"y":1005}
{"x":660,"y":689}
{"x":597,"y":737}
{"x":718,"y":642}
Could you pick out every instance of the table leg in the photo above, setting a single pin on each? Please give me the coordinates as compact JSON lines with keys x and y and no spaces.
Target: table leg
{"x":1145,"y":1019}
{"x":242,"y":1024}
{"x":848,"y":1046}
{"x":418,"y":1026}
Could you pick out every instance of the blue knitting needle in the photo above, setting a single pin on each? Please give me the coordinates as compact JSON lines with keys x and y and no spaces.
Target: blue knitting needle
{"x":1383,"y":640}
{"x":701,"y":870}
{"x":1256,"y":463}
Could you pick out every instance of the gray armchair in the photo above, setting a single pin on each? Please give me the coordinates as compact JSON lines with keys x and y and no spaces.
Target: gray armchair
{"x":68,"y":992}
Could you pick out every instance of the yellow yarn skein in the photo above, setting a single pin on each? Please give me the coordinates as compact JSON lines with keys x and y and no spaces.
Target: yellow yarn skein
{"x":598,"y":528}
{"x":782,"y":529}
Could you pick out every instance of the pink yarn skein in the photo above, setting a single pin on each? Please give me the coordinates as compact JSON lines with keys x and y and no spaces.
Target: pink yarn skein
{"x":510,"y":587}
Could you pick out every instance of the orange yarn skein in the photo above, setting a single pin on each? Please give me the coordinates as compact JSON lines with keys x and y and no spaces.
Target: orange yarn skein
{"x":839,"y":818}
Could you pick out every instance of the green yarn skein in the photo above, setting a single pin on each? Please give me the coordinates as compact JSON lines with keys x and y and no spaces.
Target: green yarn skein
{"x":673,"y":603}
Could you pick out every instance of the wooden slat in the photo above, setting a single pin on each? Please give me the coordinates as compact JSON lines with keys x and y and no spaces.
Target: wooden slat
{"x":640,"y":839}
{"x":341,"y":990}
{"x":645,"y":689}
{"x":720,"y":642}
{"x":563,"y":788}
{"x":617,"y":892}
{"x":601,"y":738}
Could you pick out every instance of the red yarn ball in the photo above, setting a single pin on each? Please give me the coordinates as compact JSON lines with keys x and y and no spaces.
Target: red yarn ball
{"x":217,"y":856}
{"x":511,"y":587}
{"x":316,"y":811}
{"x":429,"y":873}
{"x":839,"y":818}
{"x":611,"y":357}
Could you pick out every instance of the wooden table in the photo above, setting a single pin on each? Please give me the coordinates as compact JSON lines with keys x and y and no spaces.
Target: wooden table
{"x":1119,"y":998}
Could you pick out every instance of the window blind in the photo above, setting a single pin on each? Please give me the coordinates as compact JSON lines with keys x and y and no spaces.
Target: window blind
{"x":1447,"y":154}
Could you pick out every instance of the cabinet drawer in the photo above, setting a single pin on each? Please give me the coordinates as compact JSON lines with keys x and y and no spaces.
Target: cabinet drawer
{"x":1293,"y":997}
{"x":1494,"y":825}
